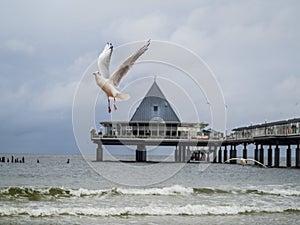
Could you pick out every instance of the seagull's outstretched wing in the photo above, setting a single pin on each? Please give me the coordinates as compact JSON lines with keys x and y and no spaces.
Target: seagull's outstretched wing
{"x":253,"y":160}
{"x":227,"y":161}
{"x":127,"y":64}
{"x":104,"y":60}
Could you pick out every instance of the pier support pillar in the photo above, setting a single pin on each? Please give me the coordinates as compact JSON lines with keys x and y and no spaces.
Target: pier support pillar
{"x":297,"y":156}
{"x":188,"y":153}
{"x":208,"y":154}
{"x":245,"y":151}
{"x":180,"y":153}
{"x":220,"y":155}
{"x":183,"y":153}
{"x":231,"y":154}
{"x":270,"y":156}
{"x":215,"y":154}
{"x":289,"y":156}
{"x":225,"y":153}
{"x":261,"y":154}
{"x":176,"y":154}
{"x":256,"y":153}
{"x":234,"y":154}
{"x":141,"y":153}
{"x":99,"y":153}
{"x":277,"y":156}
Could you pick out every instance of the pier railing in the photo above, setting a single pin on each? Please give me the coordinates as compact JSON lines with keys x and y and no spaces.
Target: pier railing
{"x":99,"y":136}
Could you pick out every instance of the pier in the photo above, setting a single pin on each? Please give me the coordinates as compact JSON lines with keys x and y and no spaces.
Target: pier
{"x":267,"y":138}
{"x":155,"y":123}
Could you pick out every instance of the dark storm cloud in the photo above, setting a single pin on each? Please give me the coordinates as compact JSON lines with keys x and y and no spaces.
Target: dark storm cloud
{"x":45,"y":46}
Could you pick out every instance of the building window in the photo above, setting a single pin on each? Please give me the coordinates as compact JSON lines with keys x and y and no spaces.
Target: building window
{"x":155,"y":108}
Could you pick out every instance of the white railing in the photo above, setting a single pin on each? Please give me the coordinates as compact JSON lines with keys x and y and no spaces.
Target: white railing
{"x":268,"y":131}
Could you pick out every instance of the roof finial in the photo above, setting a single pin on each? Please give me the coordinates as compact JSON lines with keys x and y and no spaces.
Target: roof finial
{"x":155,"y":78}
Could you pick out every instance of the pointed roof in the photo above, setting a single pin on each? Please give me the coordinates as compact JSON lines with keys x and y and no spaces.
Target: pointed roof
{"x":155,"y":91}
{"x":155,"y":106}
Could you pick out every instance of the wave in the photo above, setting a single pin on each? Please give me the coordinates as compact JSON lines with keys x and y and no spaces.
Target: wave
{"x":52,"y":193}
{"x":152,"y":210}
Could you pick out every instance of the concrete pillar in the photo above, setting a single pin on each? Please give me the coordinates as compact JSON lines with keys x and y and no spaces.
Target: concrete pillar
{"x":270,"y":156}
{"x":188,"y":153}
{"x":220,"y":155}
{"x":262,"y":154}
{"x":289,"y":156}
{"x":245,"y":151}
{"x":297,"y":151}
{"x":141,"y":153}
{"x":208,"y":155}
{"x":99,"y":153}
{"x":215,"y":154}
{"x":256,"y":153}
{"x":234,"y":154}
{"x":176,"y":153}
{"x":179,"y":153}
{"x":231,"y":154}
{"x":225,"y":153}
{"x":183,"y":153}
{"x":277,"y":156}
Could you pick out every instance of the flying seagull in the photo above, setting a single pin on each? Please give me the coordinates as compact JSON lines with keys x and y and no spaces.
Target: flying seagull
{"x":243,"y":161}
{"x":109,"y":83}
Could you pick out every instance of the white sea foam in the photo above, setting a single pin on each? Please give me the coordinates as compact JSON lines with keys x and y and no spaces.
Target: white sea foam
{"x":59,"y":192}
{"x":152,"y":210}
{"x":173,"y":190}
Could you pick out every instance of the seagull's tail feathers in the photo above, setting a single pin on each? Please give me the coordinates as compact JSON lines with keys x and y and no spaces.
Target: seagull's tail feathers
{"x":122,"y":97}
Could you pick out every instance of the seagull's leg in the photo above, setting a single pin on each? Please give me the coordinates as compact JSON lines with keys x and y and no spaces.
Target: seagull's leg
{"x":109,"y":109}
{"x":115,"y":106}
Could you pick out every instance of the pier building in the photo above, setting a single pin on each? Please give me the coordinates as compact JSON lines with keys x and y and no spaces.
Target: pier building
{"x":155,"y":123}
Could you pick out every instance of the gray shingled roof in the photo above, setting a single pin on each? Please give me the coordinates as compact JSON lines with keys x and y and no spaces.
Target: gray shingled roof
{"x":155,"y":106}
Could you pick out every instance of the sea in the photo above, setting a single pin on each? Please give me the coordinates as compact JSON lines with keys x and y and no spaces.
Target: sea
{"x":56,"y":192}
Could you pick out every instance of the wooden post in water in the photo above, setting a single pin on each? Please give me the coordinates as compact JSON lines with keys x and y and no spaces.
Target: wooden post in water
{"x":297,"y":156}
{"x":289,"y":156}
{"x":270,"y":156}
{"x":261,"y":154}
{"x":277,"y":156}
{"x":99,"y":153}
{"x":256,"y":153}
{"x":245,"y":151}
{"x":225,"y":153}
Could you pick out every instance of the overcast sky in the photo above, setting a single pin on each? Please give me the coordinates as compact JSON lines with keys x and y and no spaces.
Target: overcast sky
{"x":253,"y":48}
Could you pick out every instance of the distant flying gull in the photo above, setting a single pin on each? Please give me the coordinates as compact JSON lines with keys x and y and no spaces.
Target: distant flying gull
{"x":243,"y":161}
{"x":109,"y":83}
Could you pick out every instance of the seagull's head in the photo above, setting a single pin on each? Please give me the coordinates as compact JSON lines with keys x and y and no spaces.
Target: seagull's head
{"x":96,"y":73}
